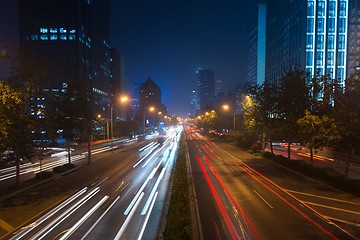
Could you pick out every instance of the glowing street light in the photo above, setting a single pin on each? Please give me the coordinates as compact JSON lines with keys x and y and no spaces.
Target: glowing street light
{"x":123,"y":100}
{"x":226,"y":107}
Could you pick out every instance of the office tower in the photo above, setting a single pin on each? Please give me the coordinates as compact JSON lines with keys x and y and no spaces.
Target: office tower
{"x":70,"y":39}
{"x":319,"y":36}
{"x":205,"y":79}
{"x":256,"y":47}
{"x":219,"y":87}
{"x":194,"y":103}
{"x":285,"y":36}
{"x":354,"y":38}
{"x":150,"y":96}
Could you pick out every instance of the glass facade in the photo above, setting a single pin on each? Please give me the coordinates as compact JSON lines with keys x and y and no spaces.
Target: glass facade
{"x":326,"y":44}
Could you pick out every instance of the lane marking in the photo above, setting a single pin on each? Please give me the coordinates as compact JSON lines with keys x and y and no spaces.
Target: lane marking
{"x":328,"y":198}
{"x":333,"y":208}
{"x":343,"y":221}
{"x":6,"y":226}
{"x":263,"y":199}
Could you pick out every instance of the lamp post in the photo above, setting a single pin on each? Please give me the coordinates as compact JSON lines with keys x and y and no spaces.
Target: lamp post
{"x":122,"y":99}
{"x":226,"y":107}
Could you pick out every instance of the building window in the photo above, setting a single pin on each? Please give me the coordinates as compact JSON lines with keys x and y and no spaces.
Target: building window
{"x":62,"y":30}
{"x":330,"y":59}
{"x":342,"y":25}
{"x":53,"y":30}
{"x":332,"y":8}
{"x":342,"y":9}
{"x":331,"y":26}
{"x":309,"y":58}
{"x":63,"y":37}
{"x":341,"y":42}
{"x":321,"y":8}
{"x":309,"y":41}
{"x":310,"y":25}
{"x":44,"y":37}
{"x":320,"y":42}
{"x":72,"y":37}
{"x":320,"y":25}
{"x":53,"y":37}
{"x":331,"y":42}
{"x":319,"y":58}
{"x":310,"y":9}
{"x":341,"y":59}
{"x":43,"y":30}
{"x":34,"y":37}
{"x":72,"y":31}
{"x":341,"y":73}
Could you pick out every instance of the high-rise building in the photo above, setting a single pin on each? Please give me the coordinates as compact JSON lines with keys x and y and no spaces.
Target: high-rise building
{"x":70,"y":38}
{"x":150,"y":96}
{"x":319,"y":36}
{"x":194,"y":103}
{"x":285,"y":36}
{"x":205,"y":79}
{"x":354,"y":37}
{"x":219,"y":87}
{"x":256,"y":47}
{"x":118,"y":83}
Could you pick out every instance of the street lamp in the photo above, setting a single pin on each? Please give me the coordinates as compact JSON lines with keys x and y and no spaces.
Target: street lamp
{"x":123,"y":100}
{"x":151,"y":109}
{"x":226,"y":107}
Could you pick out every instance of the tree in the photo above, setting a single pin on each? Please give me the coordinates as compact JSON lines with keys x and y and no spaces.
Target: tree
{"x":317,"y":132}
{"x":16,"y":107}
{"x":293,"y":102}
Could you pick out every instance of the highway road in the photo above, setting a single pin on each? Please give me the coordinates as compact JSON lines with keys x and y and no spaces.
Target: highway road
{"x":240,"y":196}
{"x":125,"y":199}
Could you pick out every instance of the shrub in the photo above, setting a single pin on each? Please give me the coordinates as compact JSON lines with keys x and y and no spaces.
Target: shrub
{"x":69,"y":166}
{"x":268,"y":155}
{"x":59,"y":169}
{"x":43,"y":175}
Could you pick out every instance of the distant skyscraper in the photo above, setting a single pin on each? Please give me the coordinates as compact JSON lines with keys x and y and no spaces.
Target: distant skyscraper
{"x":205,"y":78}
{"x":219,"y":87}
{"x":195,"y":107}
{"x":150,"y":96}
{"x":256,"y":47}
{"x":354,"y":38}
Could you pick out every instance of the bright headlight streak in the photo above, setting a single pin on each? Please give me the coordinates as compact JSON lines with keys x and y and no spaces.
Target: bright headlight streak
{"x":127,"y":220}
{"x":142,"y":159}
{"x":147,"y":146}
{"x":84,"y":218}
{"x":136,"y":197}
{"x":65,"y":215}
{"x":48,"y":215}
{"x":99,"y":219}
{"x":152,"y":156}
{"x":147,"y":217}
{"x":154,"y":189}
{"x":152,"y":174}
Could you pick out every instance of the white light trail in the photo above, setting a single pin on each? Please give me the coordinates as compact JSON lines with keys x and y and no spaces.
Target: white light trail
{"x":99,"y":219}
{"x":127,"y":220}
{"x":147,"y":217}
{"x":48,"y":228}
{"x":84,"y":218}
{"x":30,"y":227}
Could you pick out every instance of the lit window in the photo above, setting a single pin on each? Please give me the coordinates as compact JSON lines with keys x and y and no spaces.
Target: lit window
{"x":331,"y":42}
{"x":72,"y":31}
{"x":62,"y":30}
{"x":34,"y":37}
{"x":53,"y":37}
{"x":72,"y":37}
{"x":53,"y":30}
{"x":309,"y":42}
{"x":341,"y":42}
{"x":43,"y":30}
{"x":63,"y":37}
{"x":44,"y":37}
{"x":309,"y":58}
{"x":310,"y":9}
{"x":342,"y":9}
{"x":321,"y":8}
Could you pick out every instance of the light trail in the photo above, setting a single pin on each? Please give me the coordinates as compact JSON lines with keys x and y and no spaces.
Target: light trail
{"x":30,"y":227}
{"x":100,"y":218}
{"x":127,"y":220}
{"x":147,"y":217}
{"x":83,"y":219}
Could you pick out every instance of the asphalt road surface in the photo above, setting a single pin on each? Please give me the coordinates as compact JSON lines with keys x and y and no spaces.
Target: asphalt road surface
{"x":240,"y":196}
{"x":121,"y":195}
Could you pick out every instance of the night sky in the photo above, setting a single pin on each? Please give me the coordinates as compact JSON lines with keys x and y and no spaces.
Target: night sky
{"x":169,"y":40}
